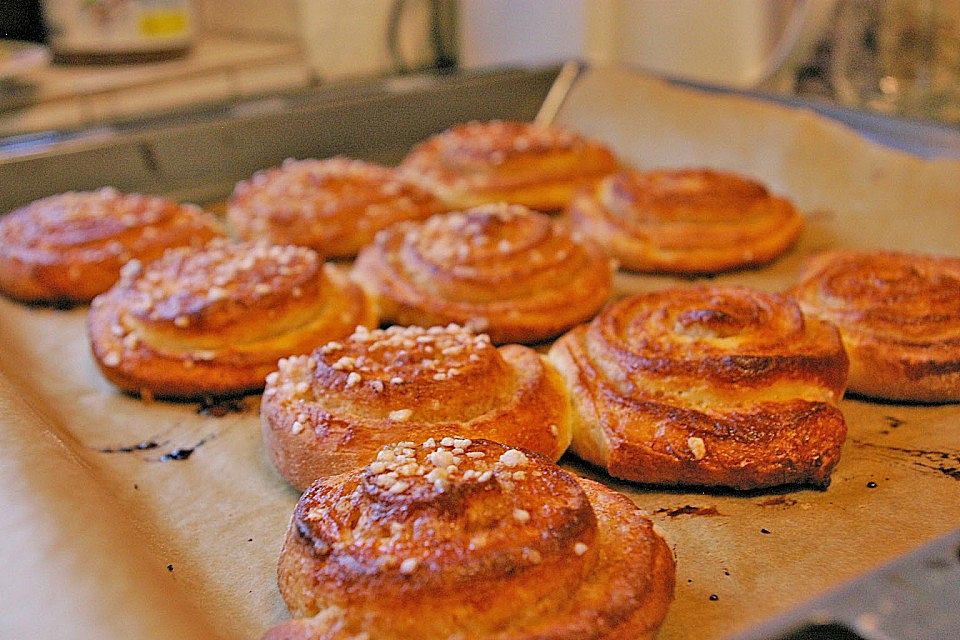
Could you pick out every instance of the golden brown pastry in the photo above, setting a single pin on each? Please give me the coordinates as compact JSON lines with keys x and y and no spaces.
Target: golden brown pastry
{"x":898,"y":315}
{"x":334,"y":206}
{"x":727,"y":387}
{"x":453,"y":538}
{"x":215,"y":320}
{"x":513,"y":273}
{"x":685,"y":221}
{"x":517,"y":162}
{"x":330,"y":412}
{"x":70,"y":247}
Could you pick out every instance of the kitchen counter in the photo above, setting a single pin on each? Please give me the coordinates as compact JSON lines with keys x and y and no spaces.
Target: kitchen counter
{"x":216,"y":69}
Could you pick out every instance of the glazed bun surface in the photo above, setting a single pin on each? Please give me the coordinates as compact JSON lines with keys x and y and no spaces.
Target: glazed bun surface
{"x":713,"y":386}
{"x":214,"y":321}
{"x":898,"y":315}
{"x":330,"y":412}
{"x":71,"y":247}
{"x":513,"y":273}
{"x":685,"y":221}
{"x":334,"y":206}
{"x":517,"y":162}
{"x":453,"y":537}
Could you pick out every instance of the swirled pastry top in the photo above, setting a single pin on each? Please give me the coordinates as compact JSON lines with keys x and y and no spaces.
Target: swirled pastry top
{"x":215,"y":320}
{"x":71,"y":246}
{"x":899,"y":316}
{"x":330,"y":412}
{"x":453,"y":537}
{"x":483,"y":162}
{"x":719,"y":386}
{"x":514,"y":273}
{"x":334,"y":206}
{"x":685,"y":221}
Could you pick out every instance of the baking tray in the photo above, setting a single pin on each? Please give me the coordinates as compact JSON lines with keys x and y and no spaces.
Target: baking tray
{"x":199,"y":155}
{"x":165,"y":520}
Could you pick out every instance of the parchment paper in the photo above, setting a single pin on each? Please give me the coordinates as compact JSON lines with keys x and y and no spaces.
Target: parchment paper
{"x":101,"y":543}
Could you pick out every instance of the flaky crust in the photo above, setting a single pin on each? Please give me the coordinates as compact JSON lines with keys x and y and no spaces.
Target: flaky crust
{"x":332,"y":411}
{"x":522,"y":163}
{"x":334,"y":206}
{"x":214,"y":321}
{"x":515,"y":274}
{"x":685,"y":221}
{"x":434,"y":541}
{"x":70,"y":247}
{"x":727,"y":387}
{"x":898,"y":315}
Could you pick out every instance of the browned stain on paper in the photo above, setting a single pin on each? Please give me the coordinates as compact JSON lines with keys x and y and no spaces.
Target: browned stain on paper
{"x":179,"y":454}
{"x":777,"y":501}
{"x":130,"y":448}
{"x":946,"y":462}
{"x":892,"y":422}
{"x":219,"y":407}
{"x":687,"y":510}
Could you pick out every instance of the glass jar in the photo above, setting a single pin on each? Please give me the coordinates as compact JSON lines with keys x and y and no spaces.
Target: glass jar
{"x":900,"y":57}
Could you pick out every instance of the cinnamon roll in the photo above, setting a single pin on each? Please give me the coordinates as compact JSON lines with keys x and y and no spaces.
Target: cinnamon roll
{"x":214,"y":321}
{"x":516,"y":274}
{"x":714,"y":386}
{"x":330,"y":412}
{"x":334,"y":206}
{"x":522,"y":163}
{"x":70,"y":247}
{"x":685,"y":221}
{"x":458,"y":538}
{"x":899,"y":317}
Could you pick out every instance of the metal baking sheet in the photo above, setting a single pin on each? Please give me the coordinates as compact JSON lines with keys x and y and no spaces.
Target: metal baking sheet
{"x":200,"y":155}
{"x":124,"y":519}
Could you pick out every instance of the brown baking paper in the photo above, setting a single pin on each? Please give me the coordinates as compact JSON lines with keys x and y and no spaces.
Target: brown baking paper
{"x":101,"y":539}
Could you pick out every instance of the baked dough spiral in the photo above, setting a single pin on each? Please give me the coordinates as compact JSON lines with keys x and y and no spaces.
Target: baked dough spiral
{"x":330,"y":412}
{"x":522,"y":163}
{"x":470,"y":539}
{"x":334,"y":206}
{"x":516,"y":274}
{"x":214,"y":321}
{"x":71,"y":247}
{"x":898,"y":315}
{"x":706,"y":386}
{"x":685,"y":221}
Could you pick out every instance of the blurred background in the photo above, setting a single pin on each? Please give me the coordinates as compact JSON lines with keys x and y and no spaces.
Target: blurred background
{"x":76,"y":63}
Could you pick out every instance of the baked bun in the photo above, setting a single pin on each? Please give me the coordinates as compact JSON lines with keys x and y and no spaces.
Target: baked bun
{"x":484,"y":162}
{"x":453,"y":538}
{"x":898,"y":315}
{"x":516,"y":274}
{"x":330,"y":412}
{"x":214,"y":321}
{"x":334,"y":206}
{"x":70,"y":247}
{"x":725,"y":387}
{"x":685,"y":221}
